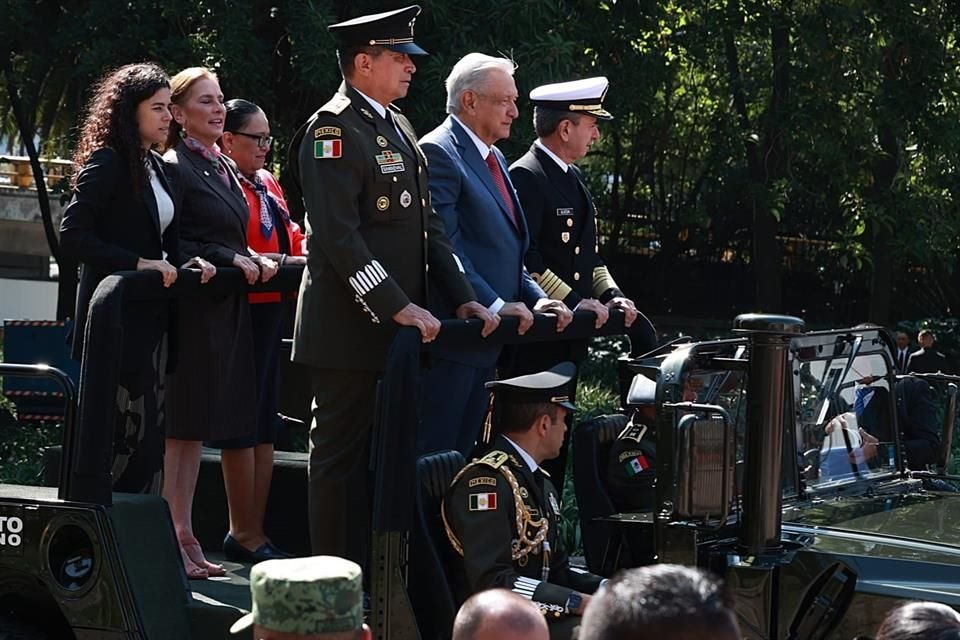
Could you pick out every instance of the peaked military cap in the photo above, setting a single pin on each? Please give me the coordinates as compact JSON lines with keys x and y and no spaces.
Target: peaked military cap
{"x":577,"y":96}
{"x":390,"y":29}
{"x":322,"y":594}
{"x":552,"y":386}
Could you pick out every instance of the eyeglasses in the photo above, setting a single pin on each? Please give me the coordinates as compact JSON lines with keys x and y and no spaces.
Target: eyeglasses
{"x":262,"y":141}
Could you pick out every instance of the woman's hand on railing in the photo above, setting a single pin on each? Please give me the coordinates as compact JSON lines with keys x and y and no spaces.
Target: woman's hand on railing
{"x":206,"y":269}
{"x":268,"y":267}
{"x":167,"y":271}
{"x":251,"y":271}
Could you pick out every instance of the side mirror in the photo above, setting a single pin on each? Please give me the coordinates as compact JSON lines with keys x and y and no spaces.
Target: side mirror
{"x":705,"y":468}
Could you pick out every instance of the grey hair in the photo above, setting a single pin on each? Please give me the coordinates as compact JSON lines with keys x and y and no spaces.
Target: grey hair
{"x":470,"y":74}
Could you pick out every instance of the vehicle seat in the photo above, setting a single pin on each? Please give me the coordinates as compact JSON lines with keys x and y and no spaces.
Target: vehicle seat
{"x":431,"y":592}
{"x":591,"y":450}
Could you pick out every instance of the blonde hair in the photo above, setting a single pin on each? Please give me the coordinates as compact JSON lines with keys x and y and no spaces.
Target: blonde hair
{"x":180,"y":85}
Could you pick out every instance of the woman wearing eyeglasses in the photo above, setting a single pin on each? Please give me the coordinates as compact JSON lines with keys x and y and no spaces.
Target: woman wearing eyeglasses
{"x":248,"y":462}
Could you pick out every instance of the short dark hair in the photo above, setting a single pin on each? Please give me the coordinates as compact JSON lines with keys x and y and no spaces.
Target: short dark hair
{"x":546,"y":121}
{"x":925,"y":332}
{"x":668,"y":602}
{"x":920,"y":620}
{"x":518,"y":417}
{"x":346,"y":56}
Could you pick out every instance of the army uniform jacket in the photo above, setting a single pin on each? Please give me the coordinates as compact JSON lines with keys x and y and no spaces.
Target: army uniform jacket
{"x":504,"y":546}
{"x":372,"y":234}
{"x":563,"y":256}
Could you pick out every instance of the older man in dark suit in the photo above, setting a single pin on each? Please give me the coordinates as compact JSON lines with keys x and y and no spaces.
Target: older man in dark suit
{"x":473,"y":194}
{"x":371,"y":235}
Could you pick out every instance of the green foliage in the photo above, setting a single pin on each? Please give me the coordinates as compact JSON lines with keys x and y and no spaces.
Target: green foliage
{"x":21,"y":449}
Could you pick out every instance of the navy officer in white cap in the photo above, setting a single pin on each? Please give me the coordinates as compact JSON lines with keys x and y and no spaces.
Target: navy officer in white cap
{"x":561,"y":217}
{"x":371,"y":233}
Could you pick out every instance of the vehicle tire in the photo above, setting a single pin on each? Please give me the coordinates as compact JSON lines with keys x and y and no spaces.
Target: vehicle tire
{"x":18,"y":630}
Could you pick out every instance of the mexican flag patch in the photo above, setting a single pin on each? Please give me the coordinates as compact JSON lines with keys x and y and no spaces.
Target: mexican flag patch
{"x":326,"y":148}
{"x":482,"y":501}
{"x":636,"y":465}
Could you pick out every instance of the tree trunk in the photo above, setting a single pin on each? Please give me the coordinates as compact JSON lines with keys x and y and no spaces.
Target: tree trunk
{"x":766,"y":157}
{"x":67,"y":286}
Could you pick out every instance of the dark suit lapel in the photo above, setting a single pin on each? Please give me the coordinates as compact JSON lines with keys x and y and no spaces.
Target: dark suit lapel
{"x":471,"y":156}
{"x":231,"y":195}
{"x":150,"y":198}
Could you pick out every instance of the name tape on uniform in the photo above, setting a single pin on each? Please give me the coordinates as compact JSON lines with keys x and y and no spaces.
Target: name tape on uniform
{"x":390,"y":162}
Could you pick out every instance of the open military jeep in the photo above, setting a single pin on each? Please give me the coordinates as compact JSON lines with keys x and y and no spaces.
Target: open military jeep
{"x":765,"y":477}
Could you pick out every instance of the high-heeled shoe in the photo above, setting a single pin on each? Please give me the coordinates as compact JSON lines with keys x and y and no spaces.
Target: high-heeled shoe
{"x":195,"y":553}
{"x":235,"y":551}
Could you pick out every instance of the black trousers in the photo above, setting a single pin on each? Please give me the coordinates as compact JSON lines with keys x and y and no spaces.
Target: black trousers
{"x":339,"y":466}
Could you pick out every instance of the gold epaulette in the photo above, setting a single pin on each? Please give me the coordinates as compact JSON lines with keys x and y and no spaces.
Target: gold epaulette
{"x":336,"y":104}
{"x":494,"y":459}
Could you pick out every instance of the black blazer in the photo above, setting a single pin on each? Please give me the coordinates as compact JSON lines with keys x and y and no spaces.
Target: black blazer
{"x":107,"y":226}
{"x":208,"y":228}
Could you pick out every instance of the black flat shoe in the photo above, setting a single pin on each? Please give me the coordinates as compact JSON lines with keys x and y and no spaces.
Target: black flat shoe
{"x":236,"y":552}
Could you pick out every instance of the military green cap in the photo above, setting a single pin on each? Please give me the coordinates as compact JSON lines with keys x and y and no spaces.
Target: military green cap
{"x":322,"y":594}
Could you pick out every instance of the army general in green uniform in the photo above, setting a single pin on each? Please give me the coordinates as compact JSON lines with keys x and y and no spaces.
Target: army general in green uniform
{"x":372,"y":235}
{"x":502,"y":512}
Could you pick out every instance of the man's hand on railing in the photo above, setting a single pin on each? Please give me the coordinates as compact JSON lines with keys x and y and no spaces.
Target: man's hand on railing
{"x":476,"y":310}
{"x":629,"y":309}
{"x":414,"y":316}
{"x":557,"y":308}
{"x":167,"y":271}
{"x":206,"y":269}
{"x":597,"y":308}
{"x":519,"y":311}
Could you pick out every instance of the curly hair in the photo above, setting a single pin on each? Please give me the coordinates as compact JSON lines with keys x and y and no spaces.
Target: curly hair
{"x":111,"y":118}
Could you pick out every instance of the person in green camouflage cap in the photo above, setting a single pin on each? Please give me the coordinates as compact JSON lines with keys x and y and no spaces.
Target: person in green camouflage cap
{"x":318,"y":598}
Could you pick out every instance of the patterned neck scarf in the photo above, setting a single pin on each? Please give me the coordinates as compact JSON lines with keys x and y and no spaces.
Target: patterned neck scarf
{"x":270,"y":207}
{"x":210,"y":154}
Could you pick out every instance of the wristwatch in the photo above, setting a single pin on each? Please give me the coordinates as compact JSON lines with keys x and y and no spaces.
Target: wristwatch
{"x":574,"y":601}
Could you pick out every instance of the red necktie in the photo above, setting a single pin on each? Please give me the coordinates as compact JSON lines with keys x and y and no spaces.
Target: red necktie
{"x":498,"y":180}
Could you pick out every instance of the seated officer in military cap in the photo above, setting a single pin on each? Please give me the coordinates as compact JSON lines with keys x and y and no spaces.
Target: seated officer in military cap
{"x":317,"y":598}
{"x":563,"y":256}
{"x":371,"y":232}
{"x":502,"y":512}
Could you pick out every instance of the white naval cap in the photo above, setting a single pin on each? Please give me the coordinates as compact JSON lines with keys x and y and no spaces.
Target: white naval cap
{"x":577,"y":96}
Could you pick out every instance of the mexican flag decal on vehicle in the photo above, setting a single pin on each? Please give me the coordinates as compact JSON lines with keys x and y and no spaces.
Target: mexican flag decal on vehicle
{"x":483,"y":501}
{"x":636,"y":465}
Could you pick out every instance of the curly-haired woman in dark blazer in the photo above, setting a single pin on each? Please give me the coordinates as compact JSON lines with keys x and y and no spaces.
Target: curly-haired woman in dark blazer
{"x":123,"y":217}
{"x":213,"y":394}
